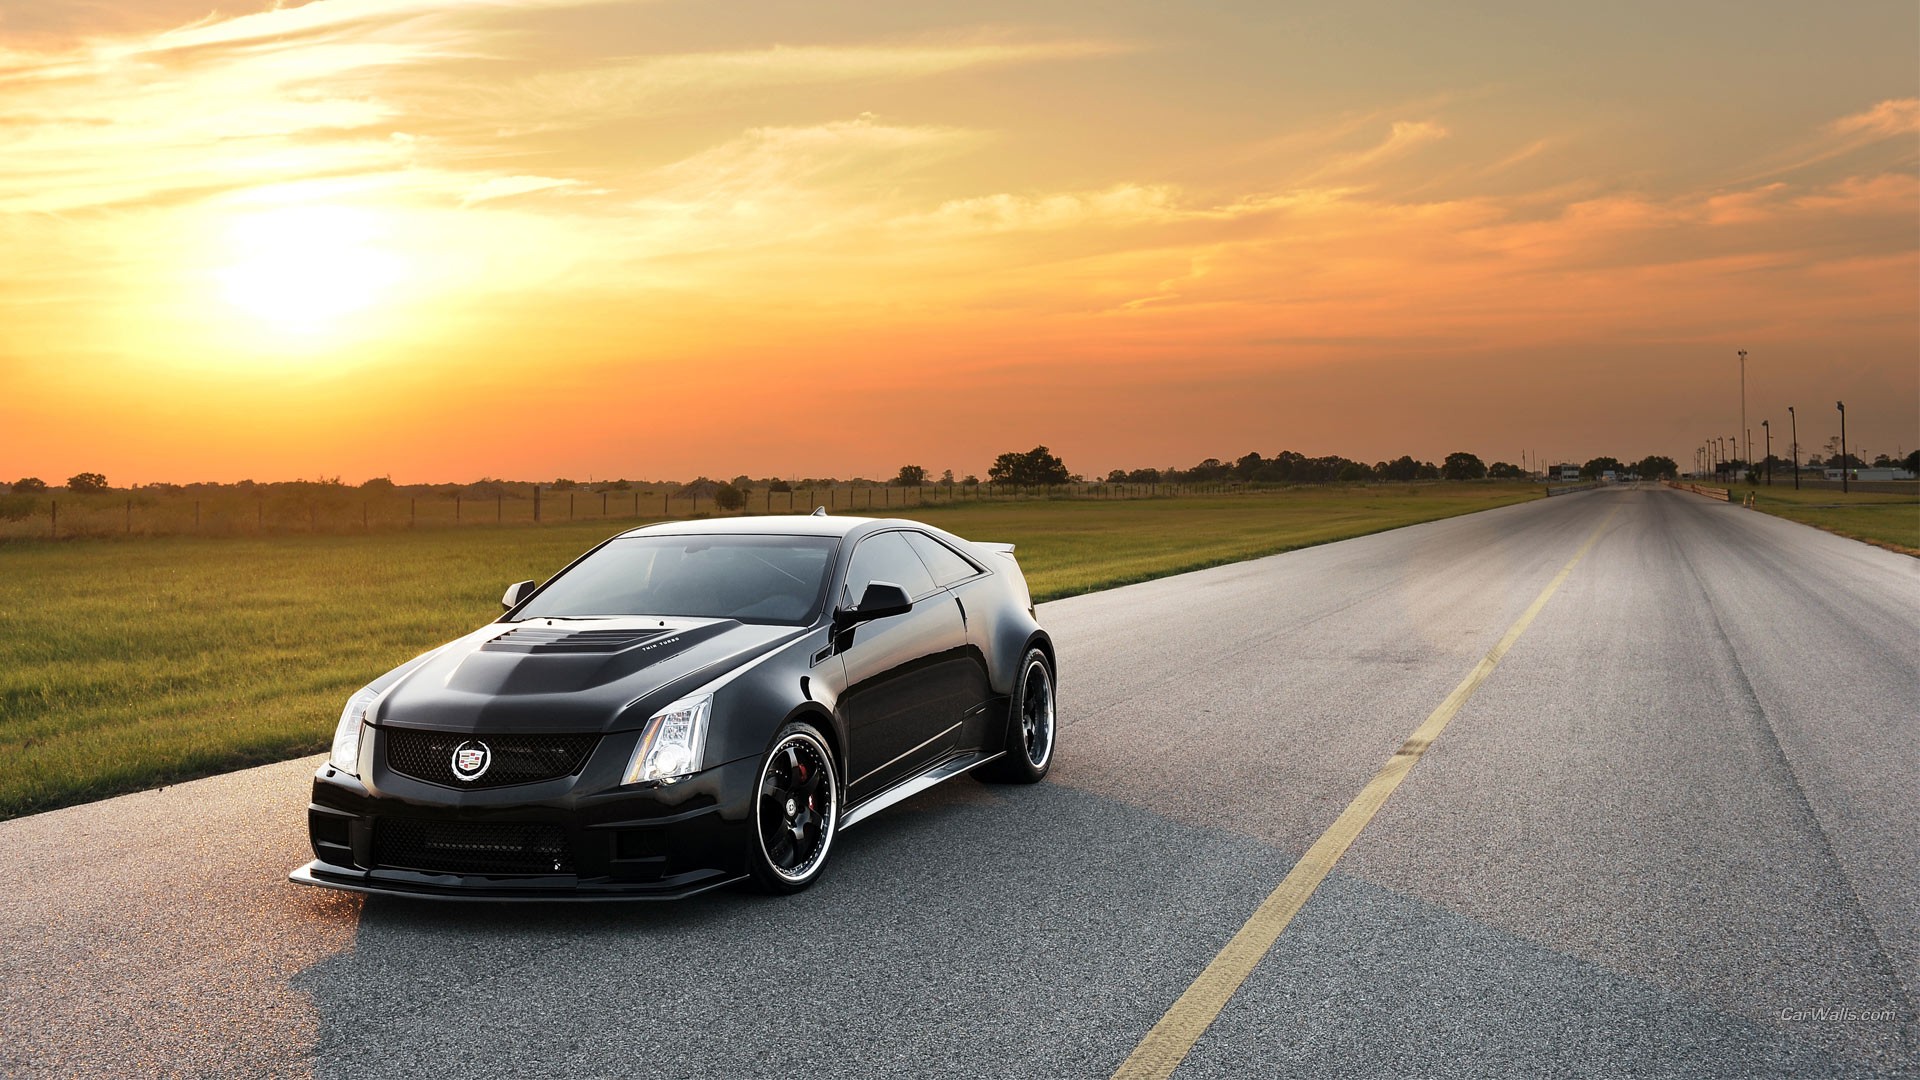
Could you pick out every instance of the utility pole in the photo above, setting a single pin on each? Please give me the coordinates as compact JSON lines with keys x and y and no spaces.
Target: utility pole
{"x":1748,"y":456}
{"x":1767,"y":427}
{"x":1793,"y":422}
{"x":1842,"y":406}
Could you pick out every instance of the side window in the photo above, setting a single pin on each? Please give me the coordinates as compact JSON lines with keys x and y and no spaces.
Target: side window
{"x":943,"y":562}
{"x":886,"y":557}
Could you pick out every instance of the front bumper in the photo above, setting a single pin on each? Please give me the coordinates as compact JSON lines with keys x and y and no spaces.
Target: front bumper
{"x":551,"y":841}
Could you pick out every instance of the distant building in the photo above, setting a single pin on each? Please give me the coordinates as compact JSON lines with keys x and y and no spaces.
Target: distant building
{"x":1564,"y":472}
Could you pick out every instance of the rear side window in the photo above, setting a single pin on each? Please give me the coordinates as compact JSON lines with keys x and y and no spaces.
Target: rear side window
{"x":886,"y":557}
{"x":945,"y":564}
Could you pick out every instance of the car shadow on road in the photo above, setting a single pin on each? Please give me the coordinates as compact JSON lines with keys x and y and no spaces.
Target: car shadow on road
{"x":981,"y":931}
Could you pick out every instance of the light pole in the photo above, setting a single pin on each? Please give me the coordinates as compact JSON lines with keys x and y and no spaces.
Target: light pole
{"x":1767,"y":427}
{"x":1793,"y":422}
{"x":1743,"y":409}
{"x":1842,"y":406}
{"x":1720,"y":444}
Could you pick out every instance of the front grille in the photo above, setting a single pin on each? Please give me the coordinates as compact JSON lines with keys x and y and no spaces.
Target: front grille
{"x":538,"y":639}
{"x":468,"y":847}
{"x":513,"y":759}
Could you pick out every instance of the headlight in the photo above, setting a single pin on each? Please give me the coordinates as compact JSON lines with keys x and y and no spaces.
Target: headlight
{"x":346,"y":736}
{"x":674,"y":743}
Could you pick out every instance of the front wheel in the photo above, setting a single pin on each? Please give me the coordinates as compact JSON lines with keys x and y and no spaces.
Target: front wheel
{"x":796,"y":810}
{"x":1031,"y":724}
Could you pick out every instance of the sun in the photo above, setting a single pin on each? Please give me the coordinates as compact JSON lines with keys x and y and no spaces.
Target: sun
{"x":309,"y":271}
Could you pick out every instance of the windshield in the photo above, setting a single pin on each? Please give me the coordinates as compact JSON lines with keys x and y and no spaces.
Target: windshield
{"x":760,"y":579}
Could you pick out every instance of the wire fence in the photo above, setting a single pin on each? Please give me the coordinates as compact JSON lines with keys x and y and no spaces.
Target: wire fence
{"x":344,"y":510}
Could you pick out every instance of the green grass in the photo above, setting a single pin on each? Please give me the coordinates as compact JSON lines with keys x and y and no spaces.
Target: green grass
{"x":141,"y":662}
{"x":1889,"y":520}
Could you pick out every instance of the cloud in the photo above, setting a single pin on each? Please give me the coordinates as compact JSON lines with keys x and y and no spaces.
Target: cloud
{"x":317,"y":91}
{"x":1886,"y":120}
{"x":502,"y":187}
{"x":1403,"y":137}
{"x":587,"y":94}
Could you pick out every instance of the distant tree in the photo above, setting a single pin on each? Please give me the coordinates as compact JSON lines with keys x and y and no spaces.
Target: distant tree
{"x":728,"y":497}
{"x":1461,"y":465}
{"x":1248,"y":466}
{"x":777,"y":484}
{"x":1400,"y":468}
{"x":1036,"y":466}
{"x":946,"y":478}
{"x":1656,"y":467}
{"x":1911,"y":462}
{"x":1592,"y":469}
{"x":1815,"y":461}
{"x":1501,"y":470}
{"x":1427,"y":471}
{"x":970,"y":481}
{"x":377,"y":483}
{"x":1117,"y":476}
{"x":1845,"y":461}
{"x":1882,"y":461}
{"x":1354,"y":471}
{"x":29,"y":485}
{"x":910,"y":476}
{"x":563,"y":484}
{"x":86,"y":482}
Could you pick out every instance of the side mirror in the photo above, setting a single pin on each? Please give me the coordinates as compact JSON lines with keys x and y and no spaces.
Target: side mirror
{"x":515,"y":593}
{"x":882,"y":598}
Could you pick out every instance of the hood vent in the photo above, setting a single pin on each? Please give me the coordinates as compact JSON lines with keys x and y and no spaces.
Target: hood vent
{"x":544,"y":639}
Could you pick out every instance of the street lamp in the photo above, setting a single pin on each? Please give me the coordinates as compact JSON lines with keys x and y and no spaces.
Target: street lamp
{"x":1794,"y":422}
{"x":1767,"y":426}
{"x":1842,"y":406}
{"x":1721,"y":445}
{"x":1743,"y":410}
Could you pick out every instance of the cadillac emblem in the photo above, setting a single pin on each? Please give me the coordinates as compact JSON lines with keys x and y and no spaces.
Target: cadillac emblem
{"x":470,"y":760}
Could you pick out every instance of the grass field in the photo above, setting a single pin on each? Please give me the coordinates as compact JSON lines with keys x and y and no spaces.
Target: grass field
{"x":1889,"y":520}
{"x":139,"y":662}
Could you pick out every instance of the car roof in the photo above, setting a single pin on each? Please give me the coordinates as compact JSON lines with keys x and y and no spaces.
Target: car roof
{"x":775,"y":525}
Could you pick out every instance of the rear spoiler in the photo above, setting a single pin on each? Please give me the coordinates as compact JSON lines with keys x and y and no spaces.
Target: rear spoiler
{"x":1002,"y":549}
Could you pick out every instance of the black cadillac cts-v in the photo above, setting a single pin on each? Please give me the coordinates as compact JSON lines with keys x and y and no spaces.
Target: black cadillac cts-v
{"x":687,"y":705}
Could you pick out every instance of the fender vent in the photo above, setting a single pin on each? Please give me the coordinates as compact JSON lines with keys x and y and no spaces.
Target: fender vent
{"x":544,"y":639}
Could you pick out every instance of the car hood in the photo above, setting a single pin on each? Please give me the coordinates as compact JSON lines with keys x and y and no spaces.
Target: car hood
{"x":570,"y":675}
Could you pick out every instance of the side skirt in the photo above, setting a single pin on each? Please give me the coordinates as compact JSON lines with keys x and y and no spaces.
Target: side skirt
{"x":914,"y":785}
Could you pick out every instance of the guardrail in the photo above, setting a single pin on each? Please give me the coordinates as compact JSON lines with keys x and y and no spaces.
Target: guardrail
{"x":1721,"y":494}
{"x":1568,"y":489}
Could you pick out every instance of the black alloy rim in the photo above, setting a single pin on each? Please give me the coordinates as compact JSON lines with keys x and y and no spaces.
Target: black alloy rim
{"x":796,"y":807}
{"x":1036,"y":714}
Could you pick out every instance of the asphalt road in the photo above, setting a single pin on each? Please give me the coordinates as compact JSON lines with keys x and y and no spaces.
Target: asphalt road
{"x":1680,"y":819}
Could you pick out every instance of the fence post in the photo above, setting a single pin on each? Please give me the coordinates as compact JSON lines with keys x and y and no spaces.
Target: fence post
{"x":54,"y":505}
{"x":413,"y":511}
{"x":499,"y":508}
{"x":129,"y":517}
{"x":456,"y":508}
{"x":663,"y":504}
{"x":569,"y":506}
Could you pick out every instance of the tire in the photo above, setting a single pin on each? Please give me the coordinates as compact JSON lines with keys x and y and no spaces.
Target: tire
{"x":1032,"y":726}
{"x":796,"y":811}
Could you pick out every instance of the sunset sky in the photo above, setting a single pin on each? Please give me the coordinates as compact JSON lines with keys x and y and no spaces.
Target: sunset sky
{"x":441,"y":240}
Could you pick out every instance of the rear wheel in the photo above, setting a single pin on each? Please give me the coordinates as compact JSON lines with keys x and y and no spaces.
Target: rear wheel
{"x":1031,"y":725}
{"x":796,"y":810}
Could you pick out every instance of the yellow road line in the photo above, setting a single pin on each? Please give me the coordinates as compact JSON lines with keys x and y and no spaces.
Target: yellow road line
{"x":1168,"y":1043}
